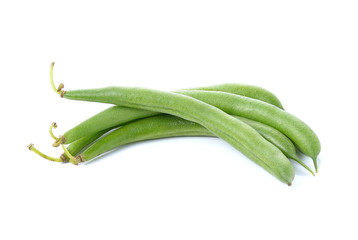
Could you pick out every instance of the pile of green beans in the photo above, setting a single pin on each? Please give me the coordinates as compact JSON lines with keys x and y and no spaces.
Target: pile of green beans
{"x":249,"y":118}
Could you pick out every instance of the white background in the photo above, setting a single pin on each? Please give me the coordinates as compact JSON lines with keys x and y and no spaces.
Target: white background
{"x":188,"y":188}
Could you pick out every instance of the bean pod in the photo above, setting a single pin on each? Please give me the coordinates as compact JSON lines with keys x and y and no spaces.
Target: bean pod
{"x":117,"y":115}
{"x":238,"y":134}
{"x":170,"y":126}
{"x":300,"y":133}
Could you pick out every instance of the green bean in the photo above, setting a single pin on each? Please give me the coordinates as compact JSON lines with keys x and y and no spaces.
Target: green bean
{"x":185,"y":128}
{"x":230,"y":129}
{"x":77,"y":146}
{"x":160,"y":126}
{"x":108,"y":118}
{"x":245,"y":90}
{"x":118,"y":115}
{"x":299,"y":132}
{"x":278,"y":139}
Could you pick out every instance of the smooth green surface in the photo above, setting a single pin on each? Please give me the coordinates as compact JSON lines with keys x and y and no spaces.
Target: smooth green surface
{"x":230,"y":129}
{"x":160,"y":126}
{"x":250,"y":91}
{"x":299,"y":132}
{"x":118,"y":115}
{"x":139,"y":130}
{"x":78,"y":145}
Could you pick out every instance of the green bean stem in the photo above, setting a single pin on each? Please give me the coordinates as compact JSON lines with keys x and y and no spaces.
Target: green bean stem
{"x":33,"y":149}
{"x":53,"y":125}
{"x":57,"y":90}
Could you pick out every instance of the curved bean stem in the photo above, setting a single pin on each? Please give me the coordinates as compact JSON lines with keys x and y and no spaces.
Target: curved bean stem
{"x":53,"y":125}
{"x":33,"y":149}
{"x":69,"y":156}
{"x":57,"y":90}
